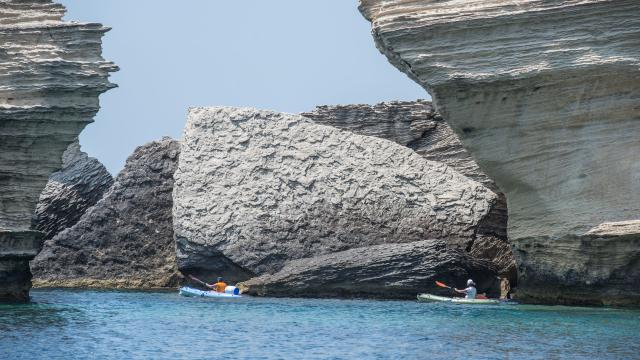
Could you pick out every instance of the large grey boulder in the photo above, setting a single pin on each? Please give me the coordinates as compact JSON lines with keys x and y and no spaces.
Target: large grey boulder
{"x":416,"y":125}
{"x":256,"y":189}
{"x":52,"y":73}
{"x":387,"y":271}
{"x":126,"y":239}
{"x":72,"y":190}
{"x":544,"y":95}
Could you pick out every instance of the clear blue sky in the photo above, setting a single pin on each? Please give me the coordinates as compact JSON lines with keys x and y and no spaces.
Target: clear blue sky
{"x":284,"y":55}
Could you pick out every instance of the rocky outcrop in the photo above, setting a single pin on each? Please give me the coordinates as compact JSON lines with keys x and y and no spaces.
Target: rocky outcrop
{"x":126,"y":239}
{"x":550,"y":114}
{"x":416,"y":125}
{"x":389,"y":270}
{"x":51,"y":73}
{"x":72,"y":190}
{"x":257,"y":189}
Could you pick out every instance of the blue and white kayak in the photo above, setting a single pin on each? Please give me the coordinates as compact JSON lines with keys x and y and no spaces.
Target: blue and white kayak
{"x":232,"y":293}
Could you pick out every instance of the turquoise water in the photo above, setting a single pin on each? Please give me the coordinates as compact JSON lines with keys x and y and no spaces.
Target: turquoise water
{"x":64,"y":324}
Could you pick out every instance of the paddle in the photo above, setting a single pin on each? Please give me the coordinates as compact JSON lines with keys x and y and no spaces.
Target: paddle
{"x":441,"y":284}
{"x":198,"y":280}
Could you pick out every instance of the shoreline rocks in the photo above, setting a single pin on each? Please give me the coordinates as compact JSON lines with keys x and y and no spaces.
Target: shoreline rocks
{"x":256,"y":190}
{"x":91,"y":255}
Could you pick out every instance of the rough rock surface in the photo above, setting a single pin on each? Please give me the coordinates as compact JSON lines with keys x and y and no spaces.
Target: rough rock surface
{"x":256,"y":189}
{"x":72,"y":190}
{"x":126,"y":239}
{"x":416,"y":125}
{"x":551,"y":114}
{"x":365,"y":272}
{"x":51,"y":73}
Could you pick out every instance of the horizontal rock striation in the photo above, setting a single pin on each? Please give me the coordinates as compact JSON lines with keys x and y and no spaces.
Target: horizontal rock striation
{"x":416,"y":125}
{"x":126,"y":239}
{"x":72,"y":190}
{"x":363,"y":272}
{"x":545,"y":96}
{"x":256,"y":189}
{"x":51,"y":74}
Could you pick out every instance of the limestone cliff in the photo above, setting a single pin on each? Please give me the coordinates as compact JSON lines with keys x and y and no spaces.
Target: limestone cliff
{"x":126,"y":239}
{"x":72,"y":190}
{"x":51,"y":73}
{"x":256,"y":189}
{"x":416,"y":125}
{"x":544,"y":95}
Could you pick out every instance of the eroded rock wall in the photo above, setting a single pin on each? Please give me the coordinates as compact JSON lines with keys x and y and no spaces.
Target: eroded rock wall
{"x":257,"y":189}
{"x":51,"y":74}
{"x":126,"y":239}
{"x":70,"y":191}
{"x":545,"y":96}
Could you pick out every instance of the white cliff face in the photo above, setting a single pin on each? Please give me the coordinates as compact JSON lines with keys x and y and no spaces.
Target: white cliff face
{"x":255,"y":189}
{"x":51,"y":73}
{"x":544,"y":95}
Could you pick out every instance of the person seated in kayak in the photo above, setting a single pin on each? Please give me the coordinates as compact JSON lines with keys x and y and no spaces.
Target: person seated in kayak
{"x":218,"y":286}
{"x":470,"y":291}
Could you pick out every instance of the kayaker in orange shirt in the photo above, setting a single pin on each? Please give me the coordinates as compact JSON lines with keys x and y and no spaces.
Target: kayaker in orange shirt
{"x":218,"y":286}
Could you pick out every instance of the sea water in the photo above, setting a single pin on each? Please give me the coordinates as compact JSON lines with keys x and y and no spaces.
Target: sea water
{"x":67,"y":324}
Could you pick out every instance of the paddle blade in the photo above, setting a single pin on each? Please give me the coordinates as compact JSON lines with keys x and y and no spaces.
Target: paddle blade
{"x":442,"y":285}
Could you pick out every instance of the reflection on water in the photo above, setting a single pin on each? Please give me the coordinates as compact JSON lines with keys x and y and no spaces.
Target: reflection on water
{"x":17,"y":318}
{"x":63,"y":324}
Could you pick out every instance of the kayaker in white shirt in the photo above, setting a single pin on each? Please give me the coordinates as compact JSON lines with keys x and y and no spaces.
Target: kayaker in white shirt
{"x":470,"y":291}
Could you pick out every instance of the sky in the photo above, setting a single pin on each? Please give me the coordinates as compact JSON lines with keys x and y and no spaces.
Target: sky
{"x":284,"y":55}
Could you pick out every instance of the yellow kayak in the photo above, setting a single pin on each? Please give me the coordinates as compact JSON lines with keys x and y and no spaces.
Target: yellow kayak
{"x":436,"y":298}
